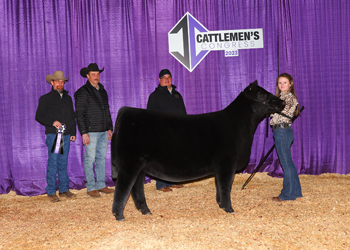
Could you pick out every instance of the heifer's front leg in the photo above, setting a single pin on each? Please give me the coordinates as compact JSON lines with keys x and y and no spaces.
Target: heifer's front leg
{"x":121,"y":193}
{"x":138,"y":194}
{"x":223,"y":182}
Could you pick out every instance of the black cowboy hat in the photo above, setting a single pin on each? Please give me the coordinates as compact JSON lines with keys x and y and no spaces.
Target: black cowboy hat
{"x":91,"y":67}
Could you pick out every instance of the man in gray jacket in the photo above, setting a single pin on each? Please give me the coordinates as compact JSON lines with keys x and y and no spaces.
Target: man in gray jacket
{"x":95,"y":125}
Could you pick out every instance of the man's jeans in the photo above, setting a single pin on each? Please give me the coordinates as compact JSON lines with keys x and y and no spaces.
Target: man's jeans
{"x":291,"y":184}
{"x":95,"y":152}
{"x":162,"y":184}
{"x":57,"y":164}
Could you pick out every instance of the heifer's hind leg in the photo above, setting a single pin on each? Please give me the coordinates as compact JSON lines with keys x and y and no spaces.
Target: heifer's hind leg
{"x":121,"y":193}
{"x":138,"y":194}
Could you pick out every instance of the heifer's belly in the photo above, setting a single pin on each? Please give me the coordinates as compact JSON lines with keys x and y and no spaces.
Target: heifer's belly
{"x":177,"y":172}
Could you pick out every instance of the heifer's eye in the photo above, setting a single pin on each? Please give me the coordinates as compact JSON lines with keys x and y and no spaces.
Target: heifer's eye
{"x":261,"y":97}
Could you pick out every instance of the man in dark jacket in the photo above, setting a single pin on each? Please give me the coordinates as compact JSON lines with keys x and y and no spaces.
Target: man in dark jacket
{"x":166,"y":99}
{"x":95,"y":126}
{"x":55,"y":111}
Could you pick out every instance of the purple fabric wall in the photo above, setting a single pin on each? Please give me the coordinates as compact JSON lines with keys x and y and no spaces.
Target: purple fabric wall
{"x":308,"y":39}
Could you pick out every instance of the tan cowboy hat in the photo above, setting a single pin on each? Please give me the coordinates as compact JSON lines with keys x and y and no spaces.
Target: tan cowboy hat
{"x":58,"y":75}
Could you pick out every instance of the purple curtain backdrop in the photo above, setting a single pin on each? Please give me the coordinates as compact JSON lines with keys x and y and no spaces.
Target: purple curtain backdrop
{"x":308,"y":39}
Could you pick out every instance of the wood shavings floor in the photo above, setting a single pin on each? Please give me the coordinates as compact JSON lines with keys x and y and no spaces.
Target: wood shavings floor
{"x":187,"y":218}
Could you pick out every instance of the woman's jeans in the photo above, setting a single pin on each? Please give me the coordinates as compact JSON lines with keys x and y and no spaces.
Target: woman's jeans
{"x":57,"y":164}
{"x":95,"y":152}
{"x":291,"y":183}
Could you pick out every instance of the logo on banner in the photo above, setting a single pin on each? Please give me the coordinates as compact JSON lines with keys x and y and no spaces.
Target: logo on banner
{"x":189,"y":41}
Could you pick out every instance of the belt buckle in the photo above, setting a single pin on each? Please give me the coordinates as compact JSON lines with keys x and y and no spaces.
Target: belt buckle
{"x":285,"y":125}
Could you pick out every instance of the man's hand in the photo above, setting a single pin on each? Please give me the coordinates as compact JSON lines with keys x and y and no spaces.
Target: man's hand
{"x":72,"y":138}
{"x":86,"y":139}
{"x":110,"y":133}
{"x":57,"y":124}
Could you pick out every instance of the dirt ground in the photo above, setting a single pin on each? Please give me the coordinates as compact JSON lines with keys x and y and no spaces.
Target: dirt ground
{"x":187,"y":218}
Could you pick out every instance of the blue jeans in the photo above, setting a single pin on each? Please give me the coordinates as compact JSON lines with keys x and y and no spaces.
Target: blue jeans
{"x":95,"y":152}
{"x":57,"y":164}
{"x":291,"y":183}
{"x":162,"y":184}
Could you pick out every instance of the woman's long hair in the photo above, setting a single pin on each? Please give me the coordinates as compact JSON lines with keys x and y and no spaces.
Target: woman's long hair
{"x":291,"y":90}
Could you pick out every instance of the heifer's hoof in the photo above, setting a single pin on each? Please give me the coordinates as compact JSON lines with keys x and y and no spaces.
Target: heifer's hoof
{"x":119,"y":217}
{"x":229,"y":210}
{"x":146,"y":212}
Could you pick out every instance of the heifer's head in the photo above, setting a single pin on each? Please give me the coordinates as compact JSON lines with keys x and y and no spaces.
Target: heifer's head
{"x":263,"y":102}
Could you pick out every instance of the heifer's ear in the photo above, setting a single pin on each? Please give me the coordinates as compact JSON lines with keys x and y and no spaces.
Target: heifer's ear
{"x":254,"y":84}
{"x":252,"y":89}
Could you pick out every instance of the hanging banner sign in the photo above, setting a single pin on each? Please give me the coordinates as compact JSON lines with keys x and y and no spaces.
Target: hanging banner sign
{"x":189,"y":41}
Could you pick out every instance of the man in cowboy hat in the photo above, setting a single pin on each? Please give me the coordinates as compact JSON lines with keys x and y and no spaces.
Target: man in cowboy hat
{"x":95,"y":125}
{"x":55,"y":111}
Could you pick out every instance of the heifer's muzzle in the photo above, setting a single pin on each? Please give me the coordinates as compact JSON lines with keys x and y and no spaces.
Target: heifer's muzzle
{"x":274,"y":104}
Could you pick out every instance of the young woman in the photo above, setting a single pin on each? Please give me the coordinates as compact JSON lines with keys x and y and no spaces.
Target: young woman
{"x":283,"y":135}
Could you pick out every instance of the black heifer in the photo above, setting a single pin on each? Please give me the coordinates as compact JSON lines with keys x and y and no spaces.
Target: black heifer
{"x":180,"y":148}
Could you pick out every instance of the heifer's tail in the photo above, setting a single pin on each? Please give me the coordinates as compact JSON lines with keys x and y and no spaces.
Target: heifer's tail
{"x":119,"y":117}
{"x":114,"y":143}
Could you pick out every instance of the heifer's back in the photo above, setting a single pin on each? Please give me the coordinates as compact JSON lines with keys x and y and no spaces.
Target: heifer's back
{"x":179,"y":148}
{"x":169,"y":147}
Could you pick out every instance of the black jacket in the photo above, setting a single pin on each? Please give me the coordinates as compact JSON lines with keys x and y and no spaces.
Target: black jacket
{"x":54,"y":108}
{"x":162,"y":100}
{"x":92,"y":109}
